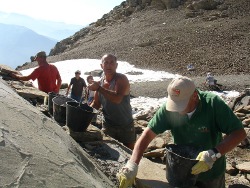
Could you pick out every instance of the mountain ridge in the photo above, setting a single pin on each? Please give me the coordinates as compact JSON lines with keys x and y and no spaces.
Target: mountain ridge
{"x":52,"y":29}
{"x":19,"y":43}
{"x":168,"y":35}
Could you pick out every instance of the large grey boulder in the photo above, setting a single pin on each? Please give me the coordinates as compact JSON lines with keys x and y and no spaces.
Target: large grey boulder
{"x":205,"y":4}
{"x":166,"y":4}
{"x":36,"y":152}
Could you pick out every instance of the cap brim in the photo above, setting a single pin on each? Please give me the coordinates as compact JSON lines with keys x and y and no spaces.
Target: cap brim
{"x":174,"y":106}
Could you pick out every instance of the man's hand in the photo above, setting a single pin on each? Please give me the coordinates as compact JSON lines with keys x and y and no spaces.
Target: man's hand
{"x":94,"y":86}
{"x":127,"y":174}
{"x":14,"y":75}
{"x":206,"y":161}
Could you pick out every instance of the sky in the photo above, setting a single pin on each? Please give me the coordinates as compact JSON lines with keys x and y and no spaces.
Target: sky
{"x":79,"y":12}
{"x":143,"y":103}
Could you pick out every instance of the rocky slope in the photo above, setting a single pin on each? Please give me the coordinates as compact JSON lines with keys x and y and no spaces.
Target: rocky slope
{"x":36,"y":152}
{"x":168,"y":35}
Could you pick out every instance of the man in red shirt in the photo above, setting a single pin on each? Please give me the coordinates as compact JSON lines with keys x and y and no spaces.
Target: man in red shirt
{"x":47,"y":75}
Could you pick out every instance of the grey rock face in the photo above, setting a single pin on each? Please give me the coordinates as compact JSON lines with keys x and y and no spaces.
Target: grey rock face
{"x":36,"y":152}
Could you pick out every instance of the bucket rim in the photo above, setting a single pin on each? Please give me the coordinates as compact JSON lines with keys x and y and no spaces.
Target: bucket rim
{"x":63,"y":97}
{"x":168,"y":150}
{"x":76,"y":107}
{"x":53,"y":93}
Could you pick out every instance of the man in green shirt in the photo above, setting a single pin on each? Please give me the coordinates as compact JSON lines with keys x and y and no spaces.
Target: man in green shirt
{"x":196,"y":118}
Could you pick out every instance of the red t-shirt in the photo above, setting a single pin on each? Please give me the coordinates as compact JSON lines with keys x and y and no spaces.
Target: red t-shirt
{"x":47,"y":77}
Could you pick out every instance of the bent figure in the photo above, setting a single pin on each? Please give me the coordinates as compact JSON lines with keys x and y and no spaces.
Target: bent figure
{"x":196,"y":118}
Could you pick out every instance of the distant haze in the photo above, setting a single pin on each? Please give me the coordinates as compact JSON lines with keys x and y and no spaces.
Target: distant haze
{"x":22,"y":37}
{"x":19,"y":43}
{"x":51,"y":29}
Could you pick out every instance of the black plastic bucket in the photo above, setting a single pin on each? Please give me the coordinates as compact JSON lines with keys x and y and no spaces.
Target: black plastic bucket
{"x":50,"y":102}
{"x":179,"y":161}
{"x":59,"y":109}
{"x":78,"y":117}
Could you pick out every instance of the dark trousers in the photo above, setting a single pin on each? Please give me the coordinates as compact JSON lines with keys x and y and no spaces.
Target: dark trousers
{"x":215,"y":183}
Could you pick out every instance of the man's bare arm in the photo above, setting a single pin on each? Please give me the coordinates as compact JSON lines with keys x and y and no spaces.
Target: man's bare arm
{"x":122,"y":88}
{"x":141,"y":145}
{"x":231,"y":141}
{"x":20,"y":77}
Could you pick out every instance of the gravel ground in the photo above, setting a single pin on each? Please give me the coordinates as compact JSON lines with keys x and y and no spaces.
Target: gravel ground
{"x":159,"y":89}
{"x":167,"y":40}
{"x":215,"y":41}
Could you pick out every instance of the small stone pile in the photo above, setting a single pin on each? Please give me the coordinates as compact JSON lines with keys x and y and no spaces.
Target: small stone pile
{"x":24,"y":88}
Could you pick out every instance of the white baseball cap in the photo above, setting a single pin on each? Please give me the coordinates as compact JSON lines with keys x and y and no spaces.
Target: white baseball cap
{"x":179,"y":92}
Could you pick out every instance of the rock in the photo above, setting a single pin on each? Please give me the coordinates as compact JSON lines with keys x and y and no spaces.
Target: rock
{"x":61,"y":46}
{"x":231,"y":170}
{"x":246,"y":122}
{"x":144,"y":114}
{"x":145,"y":2}
{"x":244,"y":167}
{"x":205,"y":4}
{"x":157,"y":143}
{"x":172,"y":3}
{"x":142,"y":123}
{"x":141,"y":116}
{"x":193,"y":13}
{"x":243,"y":180}
{"x":247,"y":176}
{"x":6,"y":70}
{"x":246,"y":141}
{"x":100,"y":22}
{"x":2,"y":142}
{"x":28,"y":91}
{"x":95,"y":73}
{"x":32,"y":93}
{"x":37,"y":152}
{"x":20,"y":84}
{"x":112,"y":156}
{"x":243,"y":109}
{"x":245,"y":101}
{"x":151,"y":175}
{"x":64,"y":86}
{"x":242,"y":118}
{"x":129,"y":10}
{"x":235,"y":103}
{"x":239,"y":114}
{"x":91,"y":134}
{"x":155,"y":153}
{"x":132,"y":3}
{"x":158,"y":4}
{"x":138,"y":128}
{"x":247,"y":108}
{"x":134,"y":73}
{"x":241,"y":101}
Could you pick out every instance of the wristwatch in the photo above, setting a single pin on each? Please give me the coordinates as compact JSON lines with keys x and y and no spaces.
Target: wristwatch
{"x":217,"y":154}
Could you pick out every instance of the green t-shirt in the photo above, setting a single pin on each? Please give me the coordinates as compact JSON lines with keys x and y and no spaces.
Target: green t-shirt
{"x":204,"y":129}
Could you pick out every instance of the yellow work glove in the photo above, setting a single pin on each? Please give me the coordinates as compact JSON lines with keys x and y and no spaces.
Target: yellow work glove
{"x":127,"y":174}
{"x":206,"y":161}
